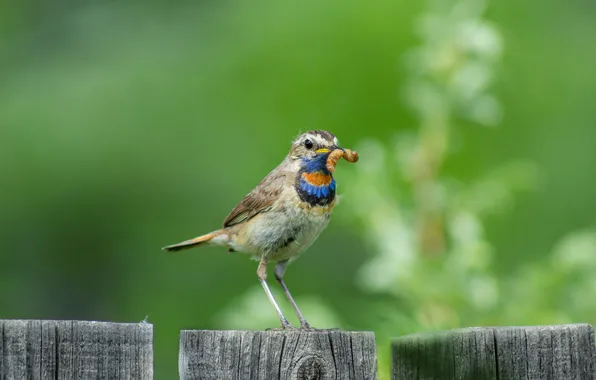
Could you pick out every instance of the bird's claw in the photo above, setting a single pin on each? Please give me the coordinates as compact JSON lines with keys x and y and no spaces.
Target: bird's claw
{"x":285,"y":326}
{"x":307,"y":327}
{"x":303,"y":327}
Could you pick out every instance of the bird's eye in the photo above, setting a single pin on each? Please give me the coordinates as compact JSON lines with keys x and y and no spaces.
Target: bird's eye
{"x":308,"y":144}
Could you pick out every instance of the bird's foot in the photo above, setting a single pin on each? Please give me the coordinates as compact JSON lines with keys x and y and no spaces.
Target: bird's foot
{"x":307,"y":327}
{"x":304,"y":326}
{"x":285,"y":326}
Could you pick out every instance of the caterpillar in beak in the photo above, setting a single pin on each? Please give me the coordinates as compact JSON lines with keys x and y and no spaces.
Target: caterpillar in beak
{"x":347,"y":154}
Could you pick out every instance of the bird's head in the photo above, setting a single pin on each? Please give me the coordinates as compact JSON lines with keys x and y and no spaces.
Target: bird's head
{"x":313,"y":145}
{"x":314,"y":181}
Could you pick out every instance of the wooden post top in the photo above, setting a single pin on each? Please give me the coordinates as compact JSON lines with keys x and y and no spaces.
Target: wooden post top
{"x":276,"y":355}
{"x":81,"y":350}
{"x":557,"y":352}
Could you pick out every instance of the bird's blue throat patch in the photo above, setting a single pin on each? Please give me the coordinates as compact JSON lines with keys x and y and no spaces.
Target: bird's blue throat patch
{"x":315,"y":184}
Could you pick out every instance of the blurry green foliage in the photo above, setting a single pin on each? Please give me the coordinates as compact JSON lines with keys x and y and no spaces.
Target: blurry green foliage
{"x":125,"y":126}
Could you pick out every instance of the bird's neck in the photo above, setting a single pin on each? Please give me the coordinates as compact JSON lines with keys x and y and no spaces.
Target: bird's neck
{"x":314,"y":183}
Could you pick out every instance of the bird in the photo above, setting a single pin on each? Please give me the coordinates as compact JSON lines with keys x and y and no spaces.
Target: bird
{"x":284,"y":214}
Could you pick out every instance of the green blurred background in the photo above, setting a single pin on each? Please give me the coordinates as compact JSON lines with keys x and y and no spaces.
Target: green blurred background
{"x":129,"y":125}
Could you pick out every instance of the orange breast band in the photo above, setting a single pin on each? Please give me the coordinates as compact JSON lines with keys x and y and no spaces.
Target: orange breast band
{"x":317,"y":179}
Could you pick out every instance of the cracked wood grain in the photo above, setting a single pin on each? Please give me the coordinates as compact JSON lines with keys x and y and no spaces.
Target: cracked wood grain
{"x":277,"y":355}
{"x":68,"y":350}
{"x":557,"y":352}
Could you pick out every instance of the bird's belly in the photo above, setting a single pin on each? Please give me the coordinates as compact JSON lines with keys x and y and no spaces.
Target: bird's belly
{"x":284,"y":233}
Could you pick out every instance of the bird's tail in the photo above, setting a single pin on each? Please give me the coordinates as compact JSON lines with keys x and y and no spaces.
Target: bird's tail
{"x":207,"y":239}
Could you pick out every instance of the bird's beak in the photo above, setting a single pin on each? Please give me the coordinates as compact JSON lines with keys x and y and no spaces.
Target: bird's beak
{"x":327,"y":150}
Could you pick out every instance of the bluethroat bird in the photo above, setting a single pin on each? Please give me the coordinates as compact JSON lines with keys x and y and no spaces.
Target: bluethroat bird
{"x":285,"y":213}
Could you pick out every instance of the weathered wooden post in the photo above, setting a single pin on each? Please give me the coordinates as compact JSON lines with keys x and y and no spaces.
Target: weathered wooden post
{"x":277,"y":355}
{"x":75,"y":350}
{"x":557,"y":352}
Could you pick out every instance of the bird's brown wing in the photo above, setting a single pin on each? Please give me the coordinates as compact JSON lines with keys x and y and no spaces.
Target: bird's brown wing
{"x":259,"y":200}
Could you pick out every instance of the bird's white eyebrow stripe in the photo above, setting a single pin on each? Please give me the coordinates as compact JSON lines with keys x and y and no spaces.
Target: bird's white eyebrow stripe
{"x":319,"y":140}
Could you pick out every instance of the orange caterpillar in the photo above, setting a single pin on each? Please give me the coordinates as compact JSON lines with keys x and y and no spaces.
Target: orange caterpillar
{"x":349,"y":155}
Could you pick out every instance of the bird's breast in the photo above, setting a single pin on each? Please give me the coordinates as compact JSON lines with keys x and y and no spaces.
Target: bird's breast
{"x":302,"y":223}
{"x":286,"y":230}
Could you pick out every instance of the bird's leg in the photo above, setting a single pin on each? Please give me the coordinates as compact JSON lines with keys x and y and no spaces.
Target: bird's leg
{"x":262,"y":274}
{"x":280,"y":269}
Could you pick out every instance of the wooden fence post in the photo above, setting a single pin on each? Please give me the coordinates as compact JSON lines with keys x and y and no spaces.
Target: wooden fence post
{"x":558,"y":352}
{"x":277,"y":355}
{"x":69,"y":350}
